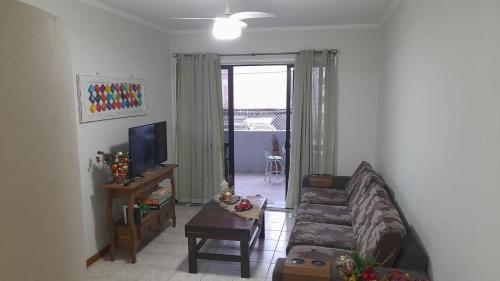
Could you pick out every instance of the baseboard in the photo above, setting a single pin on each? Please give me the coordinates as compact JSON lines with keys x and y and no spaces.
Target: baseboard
{"x":98,"y":255}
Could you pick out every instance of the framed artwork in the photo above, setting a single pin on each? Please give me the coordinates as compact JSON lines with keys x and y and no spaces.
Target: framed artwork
{"x":102,"y":98}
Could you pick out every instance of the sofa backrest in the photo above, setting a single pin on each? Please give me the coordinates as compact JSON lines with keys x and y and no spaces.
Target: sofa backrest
{"x":366,"y":204}
{"x":360,"y":182}
{"x":378,"y":228}
{"x":355,"y":180}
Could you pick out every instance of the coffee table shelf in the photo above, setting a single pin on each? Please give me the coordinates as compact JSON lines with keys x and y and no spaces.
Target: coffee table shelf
{"x":213,"y":222}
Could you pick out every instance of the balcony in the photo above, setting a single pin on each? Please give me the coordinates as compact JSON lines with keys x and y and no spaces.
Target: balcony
{"x":254,"y":183}
{"x":250,"y":165}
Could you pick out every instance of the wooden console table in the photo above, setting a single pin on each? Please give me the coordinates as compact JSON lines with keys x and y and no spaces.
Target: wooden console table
{"x":131,"y":235}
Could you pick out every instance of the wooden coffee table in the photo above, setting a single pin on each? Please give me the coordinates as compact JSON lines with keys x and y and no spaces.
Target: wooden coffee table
{"x":213,"y":222}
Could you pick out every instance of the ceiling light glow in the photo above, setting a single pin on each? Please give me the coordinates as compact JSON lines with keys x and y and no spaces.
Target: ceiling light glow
{"x":227,"y":28}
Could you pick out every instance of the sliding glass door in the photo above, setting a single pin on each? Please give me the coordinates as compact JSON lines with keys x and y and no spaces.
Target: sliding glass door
{"x":257,"y":115}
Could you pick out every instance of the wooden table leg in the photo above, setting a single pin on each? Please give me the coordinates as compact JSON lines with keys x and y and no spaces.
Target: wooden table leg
{"x":245,"y":259}
{"x":111,"y":225}
{"x":172,"y":184}
{"x":192,"y":252}
{"x":133,"y":229}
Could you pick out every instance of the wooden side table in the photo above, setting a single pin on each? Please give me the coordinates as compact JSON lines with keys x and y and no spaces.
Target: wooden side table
{"x":131,"y":235}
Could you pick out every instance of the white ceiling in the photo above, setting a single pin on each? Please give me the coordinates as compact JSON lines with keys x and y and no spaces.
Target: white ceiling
{"x":289,"y":13}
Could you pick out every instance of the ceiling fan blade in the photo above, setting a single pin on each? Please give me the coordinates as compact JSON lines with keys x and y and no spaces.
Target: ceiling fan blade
{"x":250,"y":15}
{"x":193,"y":18}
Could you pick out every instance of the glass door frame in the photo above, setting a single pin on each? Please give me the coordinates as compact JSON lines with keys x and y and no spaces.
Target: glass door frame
{"x":230,"y":112}
{"x":289,"y":92}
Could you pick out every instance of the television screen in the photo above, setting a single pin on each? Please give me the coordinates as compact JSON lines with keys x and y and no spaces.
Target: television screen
{"x":161,"y":142}
{"x":142,"y":149}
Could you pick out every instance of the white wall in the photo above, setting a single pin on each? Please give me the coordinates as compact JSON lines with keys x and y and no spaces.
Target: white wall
{"x":41,"y":229}
{"x":438,"y":145}
{"x":114,"y":46}
{"x":359,"y":77}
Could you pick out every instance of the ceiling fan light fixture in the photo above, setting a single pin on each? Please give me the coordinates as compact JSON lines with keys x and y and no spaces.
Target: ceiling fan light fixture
{"x":227,"y":28}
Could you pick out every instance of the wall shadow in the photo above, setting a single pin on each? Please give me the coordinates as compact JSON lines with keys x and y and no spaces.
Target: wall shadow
{"x":98,"y":199}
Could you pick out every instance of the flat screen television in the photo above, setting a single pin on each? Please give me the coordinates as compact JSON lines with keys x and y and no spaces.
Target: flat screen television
{"x":147,"y":147}
{"x":142,"y":149}
{"x":161,"y":142}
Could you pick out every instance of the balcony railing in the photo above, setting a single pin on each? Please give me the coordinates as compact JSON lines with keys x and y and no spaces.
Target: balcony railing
{"x":249,"y":147}
{"x":267,"y":119}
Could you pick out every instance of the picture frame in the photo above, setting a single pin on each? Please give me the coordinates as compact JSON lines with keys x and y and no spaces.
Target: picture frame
{"x":103,"y":98}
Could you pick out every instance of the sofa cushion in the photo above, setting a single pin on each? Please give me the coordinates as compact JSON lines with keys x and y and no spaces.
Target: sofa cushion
{"x":361,"y":212}
{"x":316,"y":252}
{"x":322,"y":234}
{"x":368,"y":177}
{"x":324,"y":196}
{"x":324,"y":214}
{"x":382,"y":234}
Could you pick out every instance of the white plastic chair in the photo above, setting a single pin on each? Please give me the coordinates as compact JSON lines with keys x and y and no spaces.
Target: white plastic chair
{"x":277,"y":161}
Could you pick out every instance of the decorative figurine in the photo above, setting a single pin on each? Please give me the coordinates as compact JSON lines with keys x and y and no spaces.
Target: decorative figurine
{"x":226,"y":193}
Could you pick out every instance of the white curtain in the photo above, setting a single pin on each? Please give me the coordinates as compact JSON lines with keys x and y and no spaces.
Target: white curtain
{"x":199,"y":127}
{"x":313,"y":119}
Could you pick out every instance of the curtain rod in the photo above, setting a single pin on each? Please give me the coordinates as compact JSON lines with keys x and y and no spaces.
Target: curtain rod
{"x":333,"y":51}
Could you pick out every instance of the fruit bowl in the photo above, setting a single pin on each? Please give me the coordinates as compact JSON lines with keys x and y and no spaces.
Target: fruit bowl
{"x":243,"y":205}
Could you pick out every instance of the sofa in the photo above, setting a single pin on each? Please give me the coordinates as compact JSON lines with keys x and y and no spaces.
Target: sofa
{"x":340,"y":214}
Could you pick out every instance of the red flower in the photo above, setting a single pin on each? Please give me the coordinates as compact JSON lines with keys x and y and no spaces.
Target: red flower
{"x":396,"y":275}
{"x":369,"y":273}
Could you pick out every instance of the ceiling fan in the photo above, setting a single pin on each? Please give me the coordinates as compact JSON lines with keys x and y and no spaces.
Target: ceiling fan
{"x":229,"y":26}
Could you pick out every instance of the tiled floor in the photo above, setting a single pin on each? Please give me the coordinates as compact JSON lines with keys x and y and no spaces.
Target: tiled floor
{"x":165,"y":258}
{"x":252,"y":184}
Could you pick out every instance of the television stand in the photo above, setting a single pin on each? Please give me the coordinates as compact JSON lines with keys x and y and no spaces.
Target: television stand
{"x":153,"y":169}
{"x":131,"y":235}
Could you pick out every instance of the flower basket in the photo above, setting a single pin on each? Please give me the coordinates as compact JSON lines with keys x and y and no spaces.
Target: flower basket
{"x":117,"y":163}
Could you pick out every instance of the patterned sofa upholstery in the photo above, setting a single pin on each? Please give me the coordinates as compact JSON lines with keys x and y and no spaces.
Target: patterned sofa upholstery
{"x":319,"y":204}
{"x":324,"y":214}
{"x":360,"y":215}
{"x":346,"y":196}
{"x":376,"y":230}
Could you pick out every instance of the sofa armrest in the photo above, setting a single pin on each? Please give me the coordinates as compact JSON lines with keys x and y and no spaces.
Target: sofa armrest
{"x":325,"y":181}
{"x":414,"y":275}
{"x":412,"y":255}
{"x":278,"y":269}
{"x":335,"y":274}
{"x":384,"y":271}
{"x":284,"y":271}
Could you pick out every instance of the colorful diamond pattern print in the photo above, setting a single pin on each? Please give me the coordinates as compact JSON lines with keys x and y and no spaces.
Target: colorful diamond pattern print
{"x":114,"y":96}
